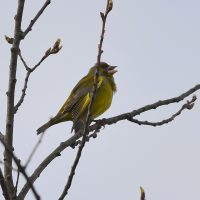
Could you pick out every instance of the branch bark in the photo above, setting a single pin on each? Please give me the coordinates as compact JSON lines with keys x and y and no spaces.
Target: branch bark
{"x":21,"y":169}
{"x":11,"y":97}
{"x":29,"y":28}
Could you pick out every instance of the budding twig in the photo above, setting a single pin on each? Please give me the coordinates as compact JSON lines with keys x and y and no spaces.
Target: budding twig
{"x":56,"y":48}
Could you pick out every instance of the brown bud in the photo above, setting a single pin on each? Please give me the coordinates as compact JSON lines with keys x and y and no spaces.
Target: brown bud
{"x":109,"y":5}
{"x":8,"y":39}
{"x":56,"y":46}
{"x":194,"y":97}
{"x":57,"y":43}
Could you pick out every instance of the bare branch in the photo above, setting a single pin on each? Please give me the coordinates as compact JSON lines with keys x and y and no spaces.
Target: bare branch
{"x":126,"y":116}
{"x":189,"y":105}
{"x":11,"y":97}
{"x":3,"y":163}
{"x":93,"y":95}
{"x":29,"y":28}
{"x":95,"y":127}
{"x":45,"y":163}
{"x":4,"y":186}
{"x":56,"y":48}
{"x":21,"y":168}
{"x":24,"y":62}
{"x":19,"y":103}
{"x":16,"y":185}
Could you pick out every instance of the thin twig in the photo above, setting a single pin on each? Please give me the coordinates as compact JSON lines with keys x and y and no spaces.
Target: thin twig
{"x":21,"y":169}
{"x":85,"y":131}
{"x":4,"y":186}
{"x":98,"y":125}
{"x":24,"y":62}
{"x":56,"y":48}
{"x":189,"y":105}
{"x":29,"y":28}
{"x":11,"y":97}
{"x":19,"y":103}
{"x":34,"y":150}
{"x":16,"y":185}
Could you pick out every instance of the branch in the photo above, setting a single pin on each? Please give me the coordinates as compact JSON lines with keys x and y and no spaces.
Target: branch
{"x":4,"y":186}
{"x":87,"y":122}
{"x":20,"y":168}
{"x":56,"y":153}
{"x":189,"y":105}
{"x":16,"y":185}
{"x":11,"y":97}
{"x":95,"y":127}
{"x":13,"y":168}
{"x":56,"y":48}
{"x":126,"y":116}
{"x":29,"y":28}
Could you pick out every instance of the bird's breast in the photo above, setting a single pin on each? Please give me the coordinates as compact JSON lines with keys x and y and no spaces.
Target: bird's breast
{"x":102,"y":100}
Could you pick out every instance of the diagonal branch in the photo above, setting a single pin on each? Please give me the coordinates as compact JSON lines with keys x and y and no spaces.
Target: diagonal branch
{"x":189,"y":105}
{"x":87,"y":122}
{"x":95,"y":127}
{"x":126,"y":116}
{"x":54,"y":154}
{"x":29,"y":28}
{"x":20,"y":168}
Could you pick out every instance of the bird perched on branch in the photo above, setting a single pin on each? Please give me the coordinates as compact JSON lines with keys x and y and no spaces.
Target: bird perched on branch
{"x":75,"y":107}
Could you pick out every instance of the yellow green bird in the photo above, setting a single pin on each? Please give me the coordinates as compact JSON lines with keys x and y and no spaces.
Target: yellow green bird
{"x":75,"y":107}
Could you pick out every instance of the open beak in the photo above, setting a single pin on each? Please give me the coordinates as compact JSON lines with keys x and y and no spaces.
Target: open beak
{"x":111,"y":70}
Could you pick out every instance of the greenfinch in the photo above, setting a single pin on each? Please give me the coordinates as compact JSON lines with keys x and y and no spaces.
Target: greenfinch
{"x":75,"y":107}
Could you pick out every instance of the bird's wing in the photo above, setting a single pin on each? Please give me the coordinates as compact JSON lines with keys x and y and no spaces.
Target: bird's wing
{"x":79,"y":98}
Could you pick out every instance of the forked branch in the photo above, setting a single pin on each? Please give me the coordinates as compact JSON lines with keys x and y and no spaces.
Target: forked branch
{"x":56,"y":48}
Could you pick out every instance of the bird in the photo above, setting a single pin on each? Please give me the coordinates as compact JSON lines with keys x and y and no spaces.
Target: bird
{"x":75,"y":107}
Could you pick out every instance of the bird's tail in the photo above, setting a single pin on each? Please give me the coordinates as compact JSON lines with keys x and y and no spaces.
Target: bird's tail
{"x":54,"y":120}
{"x":44,"y":127}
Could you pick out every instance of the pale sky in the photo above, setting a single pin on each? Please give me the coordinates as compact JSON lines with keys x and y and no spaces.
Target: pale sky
{"x":156,"y":45}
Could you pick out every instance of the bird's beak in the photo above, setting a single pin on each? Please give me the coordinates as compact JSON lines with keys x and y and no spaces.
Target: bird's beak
{"x":111,"y":70}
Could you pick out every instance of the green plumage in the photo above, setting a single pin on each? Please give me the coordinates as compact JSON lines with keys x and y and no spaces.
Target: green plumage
{"x":76,"y":106}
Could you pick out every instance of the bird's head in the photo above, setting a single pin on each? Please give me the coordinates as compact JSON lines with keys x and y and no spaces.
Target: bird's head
{"x":104,"y":69}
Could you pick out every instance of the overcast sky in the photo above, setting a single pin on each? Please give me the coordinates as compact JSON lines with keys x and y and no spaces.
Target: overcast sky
{"x":156,"y":44}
